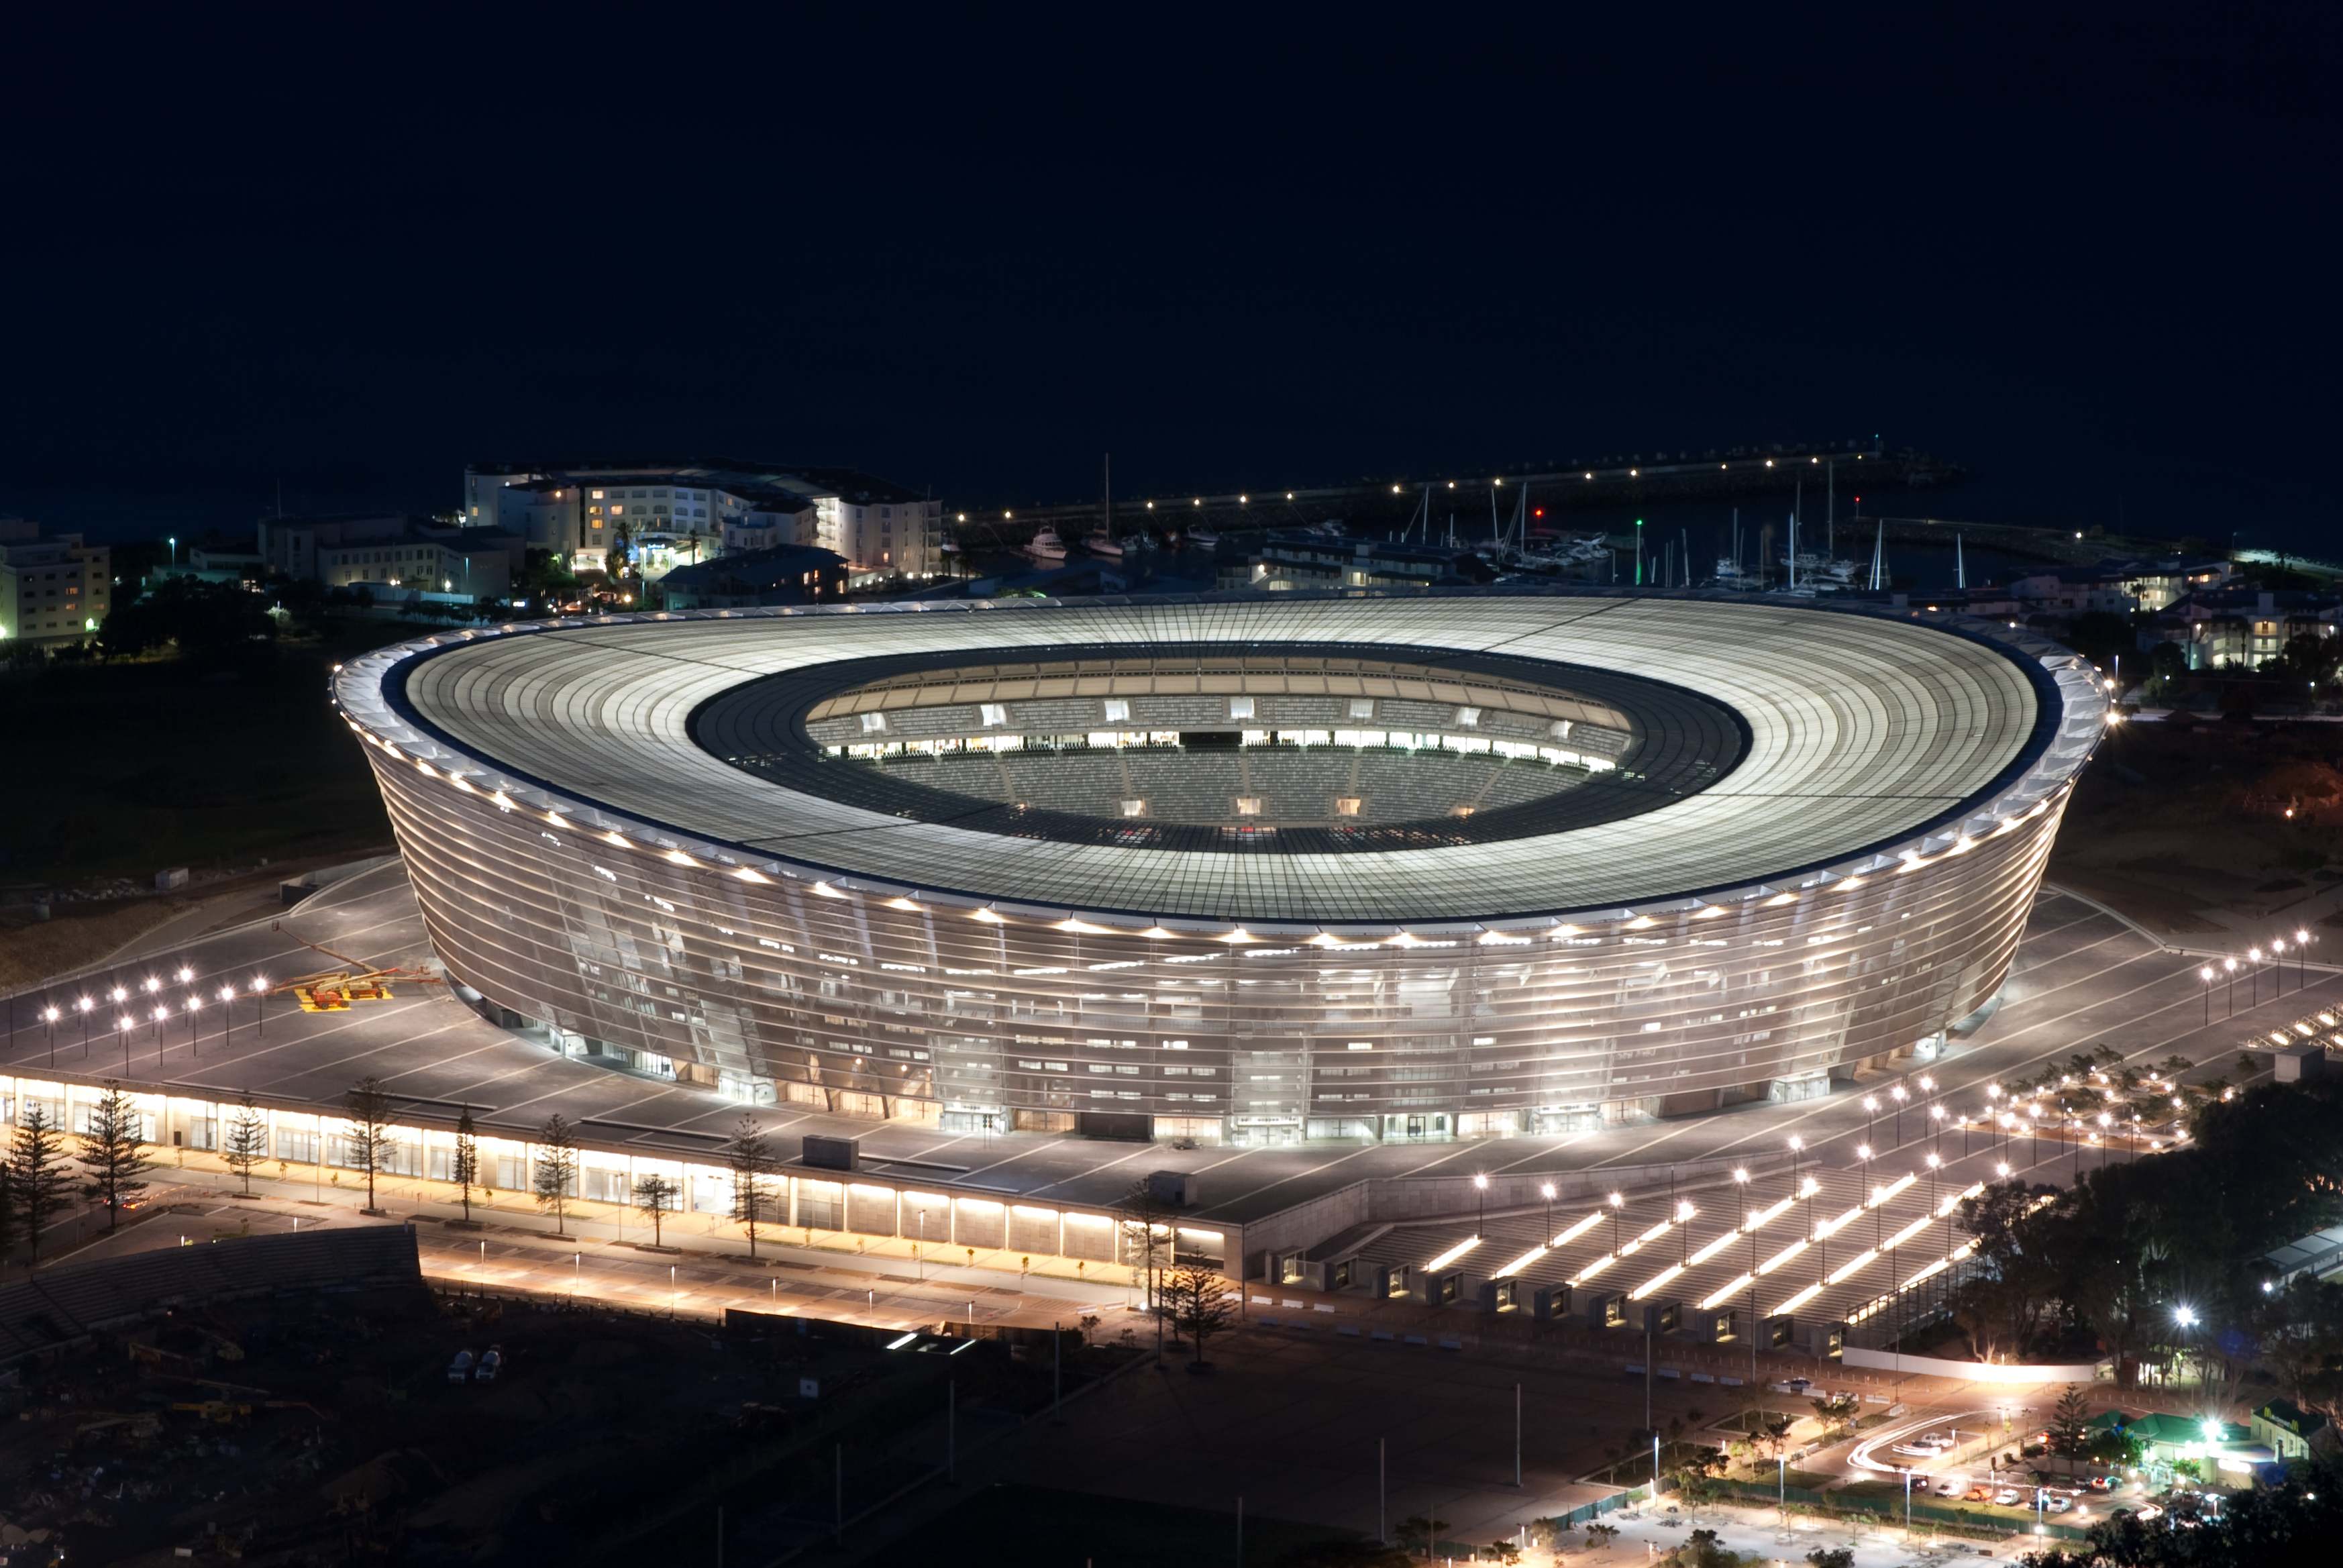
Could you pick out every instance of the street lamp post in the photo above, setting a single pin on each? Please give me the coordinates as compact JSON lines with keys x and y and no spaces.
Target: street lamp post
{"x":122,"y":1026}
{"x":49,"y":1016}
{"x":2301,"y":959}
{"x":1741,"y":1185}
{"x":1870,"y":1114}
{"x":1899,"y":1094}
{"x":1616,"y":1202}
{"x":2254,"y":976}
{"x":260,"y":1005}
{"x":1546,"y":1192}
{"x":83,"y":1006}
{"x":194,"y":1005}
{"x":2229,"y":1005}
{"x":227,"y":1016}
{"x":1481,"y":1188}
{"x":2206,"y":974}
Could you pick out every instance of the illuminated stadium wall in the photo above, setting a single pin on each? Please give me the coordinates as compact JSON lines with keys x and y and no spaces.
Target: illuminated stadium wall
{"x":550,"y":886}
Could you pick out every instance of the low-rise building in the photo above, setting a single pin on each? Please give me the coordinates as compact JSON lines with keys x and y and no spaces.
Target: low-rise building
{"x":2242,"y":628}
{"x":2287,"y":1429}
{"x":780,"y":575}
{"x":1312,"y":559}
{"x":54,"y":590}
{"x":395,"y":549}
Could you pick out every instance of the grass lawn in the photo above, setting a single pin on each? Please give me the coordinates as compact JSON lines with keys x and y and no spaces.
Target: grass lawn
{"x":122,"y":770}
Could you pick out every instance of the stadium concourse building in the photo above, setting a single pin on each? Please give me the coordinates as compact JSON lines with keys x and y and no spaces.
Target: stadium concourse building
{"x":1253,"y":869}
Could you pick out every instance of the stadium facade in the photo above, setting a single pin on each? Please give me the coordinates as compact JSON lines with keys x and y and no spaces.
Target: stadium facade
{"x":1410,"y":866}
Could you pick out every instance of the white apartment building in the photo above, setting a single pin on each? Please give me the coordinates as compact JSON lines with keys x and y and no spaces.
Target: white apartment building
{"x":678,"y":513}
{"x":52,"y":589}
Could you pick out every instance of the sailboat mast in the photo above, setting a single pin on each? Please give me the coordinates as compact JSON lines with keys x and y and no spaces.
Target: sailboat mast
{"x":1960,"y":565}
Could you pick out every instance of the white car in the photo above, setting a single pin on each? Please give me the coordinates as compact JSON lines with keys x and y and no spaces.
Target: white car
{"x":1915,"y":1449}
{"x":2058,"y":1505}
{"x":1950,"y":1486}
{"x":2007,"y":1497}
{"x":460,"y":1368}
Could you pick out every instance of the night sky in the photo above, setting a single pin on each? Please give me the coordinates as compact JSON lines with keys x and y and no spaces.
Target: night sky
{"x":2096,"y":263}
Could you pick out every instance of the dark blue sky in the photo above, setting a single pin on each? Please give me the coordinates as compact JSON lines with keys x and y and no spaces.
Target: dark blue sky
{"x":2095,"y":260}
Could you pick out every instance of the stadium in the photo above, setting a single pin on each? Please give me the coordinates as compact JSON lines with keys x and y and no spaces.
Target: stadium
{"x":1247,"y":868}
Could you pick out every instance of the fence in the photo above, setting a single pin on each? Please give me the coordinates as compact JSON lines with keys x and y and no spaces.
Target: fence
{"x":1889,"y":1510}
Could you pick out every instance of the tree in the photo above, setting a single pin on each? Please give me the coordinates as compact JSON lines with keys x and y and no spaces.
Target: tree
{"x":114,"y":1151}
{"x":247,"y":1141}
{"x":2069,"y":1427}
{"x":1415,"y":1529}
{"x":555,"y":1174}
{"x":750,"y":1156}
{"x":1600,"y":1535}
{"x":367,"y":1104}
{"x":655,"y":1195}
{"x":37,"y":1173}
{"x":7,"y":1211}
{"x":1200,"y":1304}
{"x":1832,"y":1557}
{"x":1146,"y":1226}
{"x":464,"y":1167}
{"x":1503,"y":1551}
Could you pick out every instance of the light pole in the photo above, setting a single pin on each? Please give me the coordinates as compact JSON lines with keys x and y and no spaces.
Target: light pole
{"x":1899,"y":1094}
{"x":1870,"y":1113}
{"x":49,"y":1016}
{"x":2106,"y":1121}
{"x":2206,"y":974}
{"x":1616,"y":1202}
{"x":1936,"y":1127}
{"x":1798,"y":1146}
{"x":2301,"y":959}
{"x":227,"y":1016}
{"x":2278,"y":963}
{"x":2229,"y":1007}
{"x":1546,"y":1192}
{"x":1684,"y":1229}
{"x":1863,"y":1163}
{"x":2185,"y":1317}
{"x":1481,"y":1188}
{"x":161,"y":1012}
{"x":83,"y":1006}
{"x":195,"y":1006}
{"x":124,"y":1025}
{"x":2254,"y":976}
{"x":260,"y":1004}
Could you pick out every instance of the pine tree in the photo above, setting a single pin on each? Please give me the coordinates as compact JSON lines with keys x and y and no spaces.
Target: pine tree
{"x":247,"y":1141}
{"x":465,"y":1168}
{"x":655,"y":1195}
{"x":751,"y":1159}
{"x":37,"y":1172}
{"x":114,"y":1151}
{"x":555,"y":1177}
{"x":367,"y":1106}
{"x":1200,"y":1302}
{"x":7,"y":1210}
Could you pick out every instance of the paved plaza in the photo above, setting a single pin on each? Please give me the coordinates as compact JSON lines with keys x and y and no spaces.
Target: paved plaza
{"x":2082,"y":978}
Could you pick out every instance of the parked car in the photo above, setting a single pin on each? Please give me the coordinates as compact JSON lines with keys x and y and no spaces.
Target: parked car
{"x":1950,"y":1486}
{"x":2102,"y":1483}
{"x":2007,"y":1497}
{"x":1976,"y":1494}
{"x":1939,"y":1441}
{"x":1796,"y":1384}
{"x":492,"y":1361}
{"x":460,"y":1368}
{"x":2058,"y":1504}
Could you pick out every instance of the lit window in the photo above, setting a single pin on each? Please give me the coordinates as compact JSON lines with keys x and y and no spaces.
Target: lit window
{"x":1118,"y":712}
{"x":1468,"y":716}
{"x":1363,"y":708}
{"x":1362,"y":1045}
{"x":872,"y":723}
{"x":1347,"y":806}
{"x":597,"y":494}
{"x":617,"y":509}
{"x":994,"y":712}
{"x":1240,"y":708}
{"x":1248,"y":805}
{"x":1134,"y":808}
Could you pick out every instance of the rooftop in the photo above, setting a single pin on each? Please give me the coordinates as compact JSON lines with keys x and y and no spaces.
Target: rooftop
{"x":1869,"y":733}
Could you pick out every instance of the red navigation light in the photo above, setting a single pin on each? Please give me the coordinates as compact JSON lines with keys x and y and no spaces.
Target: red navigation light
{"x":1537,"y":511}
